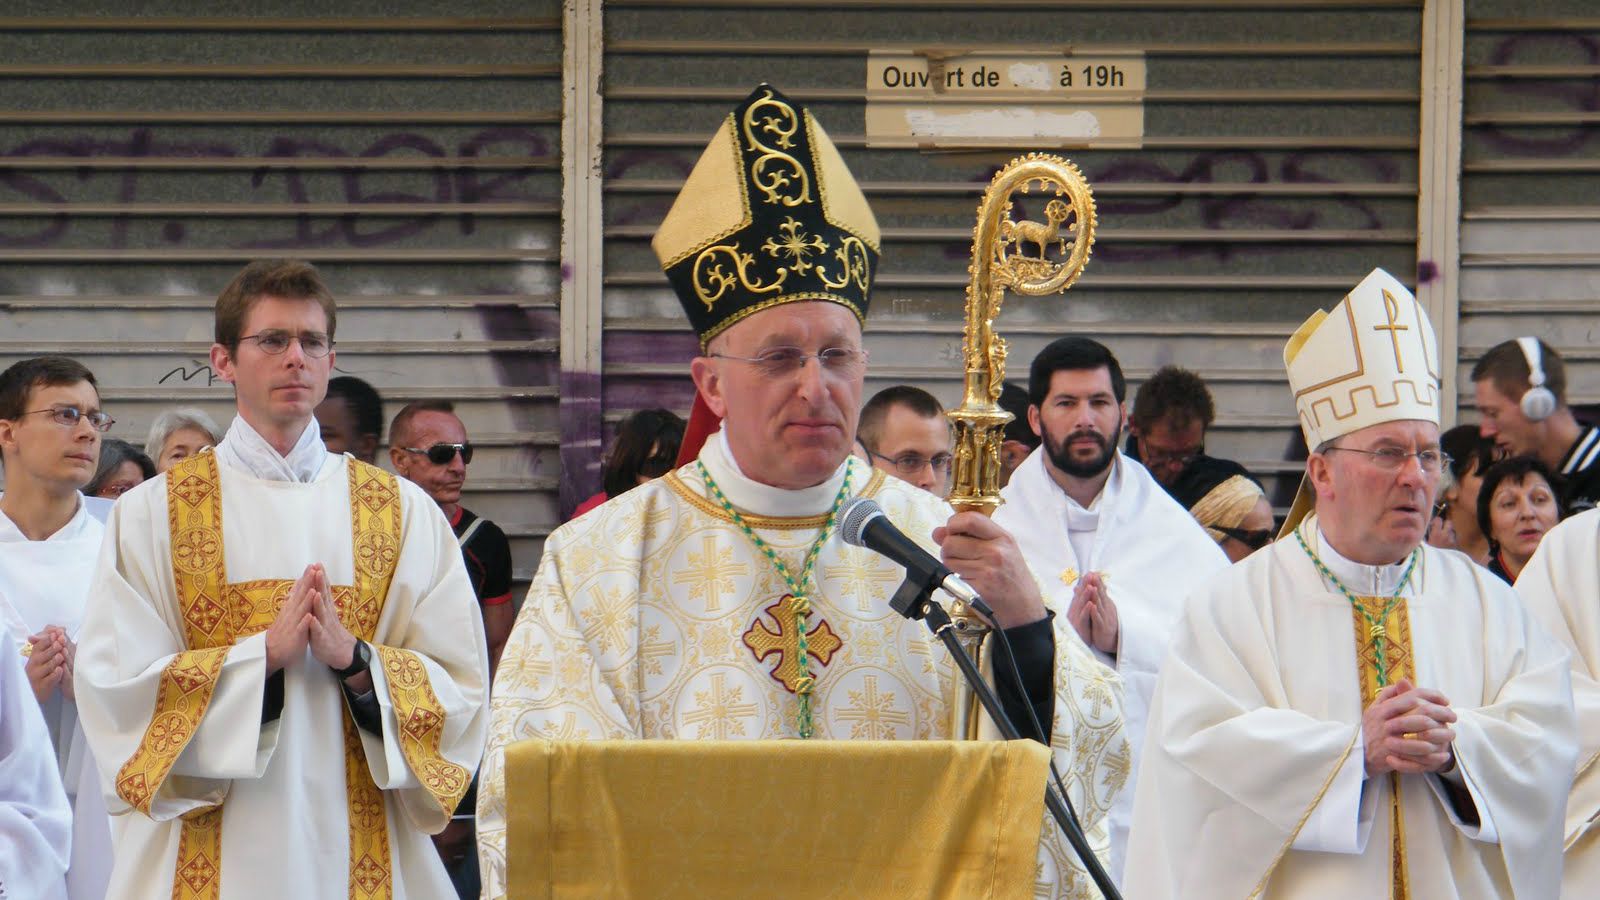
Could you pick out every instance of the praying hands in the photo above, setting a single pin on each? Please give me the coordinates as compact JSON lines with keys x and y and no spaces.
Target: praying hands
{"x":49,"y":665}
{"x":309,"y":618}
{"x":1407,"y":730}
{"x":1094,"y":615}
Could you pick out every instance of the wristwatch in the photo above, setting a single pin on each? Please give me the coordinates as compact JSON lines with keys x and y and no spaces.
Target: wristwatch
{"x":360,"y":660}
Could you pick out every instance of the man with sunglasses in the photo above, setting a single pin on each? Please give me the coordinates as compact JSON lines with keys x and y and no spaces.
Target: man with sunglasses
{"x":428,"y":446}
{"x":50,"y":428}
{"x":282,"y":673}
{"x":1113,"y":550}
{"x":905,"y":433}
{"x":719,"y":601}
{"x":1350,"y":712}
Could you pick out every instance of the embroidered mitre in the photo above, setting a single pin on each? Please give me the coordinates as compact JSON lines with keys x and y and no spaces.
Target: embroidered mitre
{"x":1373,"y":359}
{"x":769,"y":215}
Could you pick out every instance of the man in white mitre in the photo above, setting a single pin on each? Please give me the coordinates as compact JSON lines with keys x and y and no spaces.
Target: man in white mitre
{"x":675,"y":610}
{"x":282,"y":671}
{"x":1561,"y":586}
{"x":1350,"y":712}
{"x":50,"y":427}
{"x":1112,"y":547}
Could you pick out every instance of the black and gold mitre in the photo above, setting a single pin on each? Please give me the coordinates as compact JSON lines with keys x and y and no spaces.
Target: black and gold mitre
{"x":769,"y":215}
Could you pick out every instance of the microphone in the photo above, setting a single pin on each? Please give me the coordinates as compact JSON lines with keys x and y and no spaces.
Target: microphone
{"x":862,"y":523}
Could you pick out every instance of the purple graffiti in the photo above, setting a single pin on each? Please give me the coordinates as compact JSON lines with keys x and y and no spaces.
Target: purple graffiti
{"x":1579,"y":94}
{"x":440,"y":184}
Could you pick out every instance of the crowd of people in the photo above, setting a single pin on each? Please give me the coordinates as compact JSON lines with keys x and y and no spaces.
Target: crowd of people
{"x":252,"y":662}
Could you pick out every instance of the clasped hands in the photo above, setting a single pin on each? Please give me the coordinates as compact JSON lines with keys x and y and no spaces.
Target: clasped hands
{"x":309,"y":618}
{"x":50,"y":663}
{"x":1407,"y":730}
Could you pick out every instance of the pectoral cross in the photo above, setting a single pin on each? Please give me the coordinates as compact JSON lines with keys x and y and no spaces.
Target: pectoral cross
{"x":821,"y":642}
{"x":1391,"y":308}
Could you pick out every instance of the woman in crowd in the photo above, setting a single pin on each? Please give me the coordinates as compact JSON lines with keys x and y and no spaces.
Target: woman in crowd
{"x":122,"y":467}
{"x":645,"y":448}
{"x":1237,"y":515}
{"x":1455,"y":524}
{"x":1516,"y":507}
{"x":180,"y":433}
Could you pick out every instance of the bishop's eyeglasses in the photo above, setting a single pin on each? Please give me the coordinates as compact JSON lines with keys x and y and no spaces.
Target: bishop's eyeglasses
{"x":1390,"y":459}
{"x":783,"y":362}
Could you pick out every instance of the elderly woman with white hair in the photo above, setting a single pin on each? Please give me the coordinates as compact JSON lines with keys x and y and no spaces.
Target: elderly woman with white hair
{"x":179,"y":433}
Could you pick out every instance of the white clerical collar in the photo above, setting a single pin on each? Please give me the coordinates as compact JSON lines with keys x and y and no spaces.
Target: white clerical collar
{"x":245,"y":449}
{"x":748,"y":495}
{"x":9,"y":532}
{"x":1360,"y":577}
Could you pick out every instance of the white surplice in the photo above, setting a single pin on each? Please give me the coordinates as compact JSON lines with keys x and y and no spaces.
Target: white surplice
{"x":1561,"y":585}
{"x":44,"y":583}
{"x":1150,"y":552}
{"x":1254,"y":783}
{"x":286,"y":824}
{"x":35,"y":820}
{"x":641,"y":621}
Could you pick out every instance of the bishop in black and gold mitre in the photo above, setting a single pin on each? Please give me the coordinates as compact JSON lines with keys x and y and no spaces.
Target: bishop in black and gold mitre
{"x":769,"y":215}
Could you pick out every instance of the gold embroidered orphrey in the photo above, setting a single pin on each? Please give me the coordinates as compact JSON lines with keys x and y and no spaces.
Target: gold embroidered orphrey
{"x":1400,"y":663}
{"x":216,"y":614}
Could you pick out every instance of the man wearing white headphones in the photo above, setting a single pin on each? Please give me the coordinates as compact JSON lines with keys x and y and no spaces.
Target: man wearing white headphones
{"x":1521,"y":391}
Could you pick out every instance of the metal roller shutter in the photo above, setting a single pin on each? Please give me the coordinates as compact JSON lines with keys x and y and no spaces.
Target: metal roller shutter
{"x":414,"y":158}
{"x":1531,"y":185}
{"x":1279,"y":164}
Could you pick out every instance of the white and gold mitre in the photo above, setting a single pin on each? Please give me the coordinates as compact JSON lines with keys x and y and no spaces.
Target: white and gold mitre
{"x":1373,"y":359}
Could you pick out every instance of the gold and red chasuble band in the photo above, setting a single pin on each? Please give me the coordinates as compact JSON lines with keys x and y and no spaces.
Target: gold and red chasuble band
{"x":375,"y":548}
{"x":181,"y":699}
{"x":1395,"y":630}
{"x":217,"y":614}
{"x":421,"y":719}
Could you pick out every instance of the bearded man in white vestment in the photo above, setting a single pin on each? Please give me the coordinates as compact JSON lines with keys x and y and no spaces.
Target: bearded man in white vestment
{"x":1112,"y":547}
{"x":50,"y":426}
{"x":282,"y":672}
{"x":662,"y":614}
{"x":1350,"y":712}
{"x":1561,"y":586}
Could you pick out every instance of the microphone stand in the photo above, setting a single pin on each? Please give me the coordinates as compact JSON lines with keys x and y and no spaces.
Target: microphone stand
{"x":914,"y":600}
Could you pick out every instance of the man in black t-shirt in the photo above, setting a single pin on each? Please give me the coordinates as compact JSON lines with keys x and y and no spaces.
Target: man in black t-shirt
{"x":487,"y":554}
{"x":428,"y":445}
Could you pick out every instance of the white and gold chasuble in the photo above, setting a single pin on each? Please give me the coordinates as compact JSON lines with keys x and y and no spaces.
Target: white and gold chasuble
{"x":1253,"y":780}
{"x":215,"y":805}
{"x":654,"y":616}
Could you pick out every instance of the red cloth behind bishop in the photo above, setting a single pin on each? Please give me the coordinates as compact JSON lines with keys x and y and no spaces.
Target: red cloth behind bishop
{"x":703,"y":423}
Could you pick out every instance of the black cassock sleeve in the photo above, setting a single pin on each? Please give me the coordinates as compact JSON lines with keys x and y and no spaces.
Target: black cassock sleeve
{"x":1035,"y":648}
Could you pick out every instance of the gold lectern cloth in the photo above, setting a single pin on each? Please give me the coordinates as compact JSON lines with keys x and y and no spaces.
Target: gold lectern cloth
{"x":739,"y":819}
